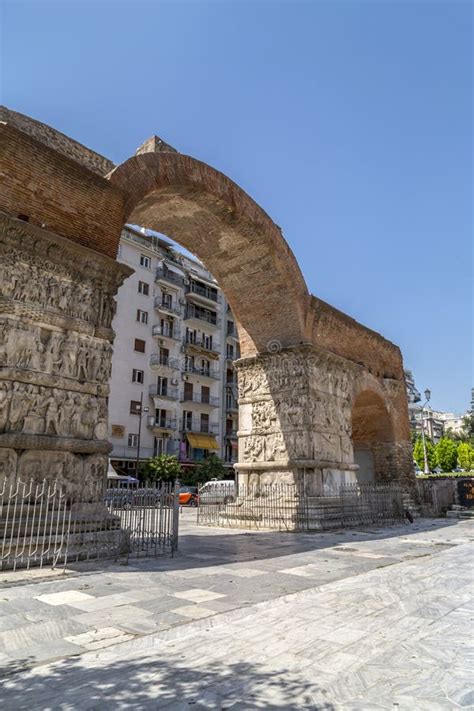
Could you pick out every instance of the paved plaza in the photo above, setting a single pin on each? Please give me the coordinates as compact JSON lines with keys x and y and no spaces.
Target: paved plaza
{"x":378,"y":619}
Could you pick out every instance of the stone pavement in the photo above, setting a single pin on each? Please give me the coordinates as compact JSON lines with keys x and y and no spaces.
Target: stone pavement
{"x":349,"y":620}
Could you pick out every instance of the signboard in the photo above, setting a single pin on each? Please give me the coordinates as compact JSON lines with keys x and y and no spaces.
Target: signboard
{"x":466,"y":493}
{"x":118,"y":430}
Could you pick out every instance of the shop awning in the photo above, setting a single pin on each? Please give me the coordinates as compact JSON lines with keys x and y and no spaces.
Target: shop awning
{"x":202,"y":441}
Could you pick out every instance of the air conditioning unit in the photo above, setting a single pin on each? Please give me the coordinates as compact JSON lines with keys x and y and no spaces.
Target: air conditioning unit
{"x":187,"y":282}
{"x":161,"y":342}
{"x":185,"y":377}
{"x":174,"y":381}
{"x":182,"y":301}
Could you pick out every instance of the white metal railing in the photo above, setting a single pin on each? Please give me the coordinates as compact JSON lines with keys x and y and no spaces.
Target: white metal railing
{"x":43,"y":524}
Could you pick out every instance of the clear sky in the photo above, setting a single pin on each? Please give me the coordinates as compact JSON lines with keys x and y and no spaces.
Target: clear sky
{"x":348,"y":121}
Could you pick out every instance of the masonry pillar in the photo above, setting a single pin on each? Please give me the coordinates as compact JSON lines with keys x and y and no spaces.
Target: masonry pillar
{"x":56,"y":307}
{"x":294,"y":420}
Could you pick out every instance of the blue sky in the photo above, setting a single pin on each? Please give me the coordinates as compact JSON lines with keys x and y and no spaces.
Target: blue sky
{"x":349,"y":122}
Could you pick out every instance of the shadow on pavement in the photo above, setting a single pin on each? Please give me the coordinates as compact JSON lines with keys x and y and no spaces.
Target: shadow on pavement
{"x":159,"y":683}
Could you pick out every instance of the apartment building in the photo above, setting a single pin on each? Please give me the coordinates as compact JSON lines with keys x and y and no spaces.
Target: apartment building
{"x":173,"y":386}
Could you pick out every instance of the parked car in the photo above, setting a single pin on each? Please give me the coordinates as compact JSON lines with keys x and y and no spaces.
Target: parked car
{"x":217,"y":491}
{"x":188,"y":496}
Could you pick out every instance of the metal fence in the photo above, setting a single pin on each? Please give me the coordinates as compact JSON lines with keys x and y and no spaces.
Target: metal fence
{"x":435,"y":497}
{"x":40,"y":524}
{"x":287,"y":507}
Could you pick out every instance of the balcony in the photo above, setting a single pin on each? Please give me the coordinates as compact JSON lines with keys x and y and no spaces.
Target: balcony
{"x":201,"y":315}
{"x":200,"y":398}
{"x":166,"y":393}
{"x":159,"y":362}
{"x":231,"y":406}
{"x":168,"y":308}
{"x":199,"y":370}
{"x":172,"y":333}
{"x":202,"y":345}
{"x":199,"y":427}
{"x":124,"y":452}
{"x":203,"y":292}
{"x":161,"y":423}
{"x":231,"y":434}
{"x":163,"y":274}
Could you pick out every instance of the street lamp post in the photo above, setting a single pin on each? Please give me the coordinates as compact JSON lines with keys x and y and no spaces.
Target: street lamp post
{"x":425,"y":456}
{"x":142,"y":411}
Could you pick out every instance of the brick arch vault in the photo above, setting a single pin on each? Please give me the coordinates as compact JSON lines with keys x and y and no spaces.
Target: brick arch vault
{"x":62,"y":209}
{"x":214,"y":219}
{"x":301,"y":359}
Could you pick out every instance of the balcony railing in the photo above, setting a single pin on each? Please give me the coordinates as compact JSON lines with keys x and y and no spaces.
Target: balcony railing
{"x":199,"y":370}
{"x":202,"y":343}
{"x":173,"y":333}
{"x":204,"y":291}
{"x":124,"y":452}
{"x":199,"y":427}
{"x":203,"y":399}
{"x":211,"y":317}
{"x":231,"y":433}
{"x":157,"y":360}
{"x":163,"y":423}
{"x":170,"y":276}
{"x":231,"y":406}
{"x":169,"y":393}
{"x":172,"y":308}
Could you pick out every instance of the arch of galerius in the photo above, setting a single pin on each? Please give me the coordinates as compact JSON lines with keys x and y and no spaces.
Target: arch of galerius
{"x":305,"y":366}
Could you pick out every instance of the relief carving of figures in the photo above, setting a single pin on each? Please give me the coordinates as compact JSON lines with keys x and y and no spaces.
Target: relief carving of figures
{"x":28,"y":346}
{"x":264,"y":416}
{"x":33,"y":409}
{"x":275,"y":447}
{"x":5,"y":397}
{"x":40,"y":283}
{"x":251,"y":380}
{"x":254,"y":448}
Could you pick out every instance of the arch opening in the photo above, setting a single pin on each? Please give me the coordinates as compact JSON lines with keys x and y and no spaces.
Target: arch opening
{"x":211,"y":217}
{"x":372,"y":436}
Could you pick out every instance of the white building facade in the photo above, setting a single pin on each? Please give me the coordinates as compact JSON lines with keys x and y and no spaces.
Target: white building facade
{"x":173,"y":387}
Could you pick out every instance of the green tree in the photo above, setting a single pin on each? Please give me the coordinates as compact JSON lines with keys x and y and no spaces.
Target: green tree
{"x":418,"y":455}
{"x":164,"y":467}
{"x":446,"y":454}
{"x":211,"y":468}
{"x":468,"y":427}
{"x":466,"y":456}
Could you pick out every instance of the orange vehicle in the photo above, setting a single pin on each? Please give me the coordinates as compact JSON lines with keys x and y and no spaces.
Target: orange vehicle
{"x":188,"y":496}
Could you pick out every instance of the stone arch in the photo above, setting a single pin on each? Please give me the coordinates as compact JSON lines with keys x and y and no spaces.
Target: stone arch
{"x":373,"y":435}
{"x":212,"y":217}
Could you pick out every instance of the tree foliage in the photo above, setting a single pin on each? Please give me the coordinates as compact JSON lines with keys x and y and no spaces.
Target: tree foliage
{"x":446,"y":454}
{"x":466,"y":456}
{"x":418,"y":454}
{"x":211,"y":468}
{"x":164,"y":467}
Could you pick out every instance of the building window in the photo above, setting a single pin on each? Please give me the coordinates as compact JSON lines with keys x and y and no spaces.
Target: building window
{"x":187,"y":420}
{"x":133,"y":440}
{"x":139,"y":345}
{"x":207,"y":341}
{"x":167,"y":300}
{"x":204,"y":422}
{"x":137,"y":376}
{"x":143,"y":288}
{"x":142,"y":316}
{"x":205,"y":394}
{"x":164,"y":356}
{"x":230,"y":351}
{"x":134,"y":407}
{"x":161,"y":417}
{"x":190,"y":335}
{"x":145,"y":261}
{"x":162,"y":385}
